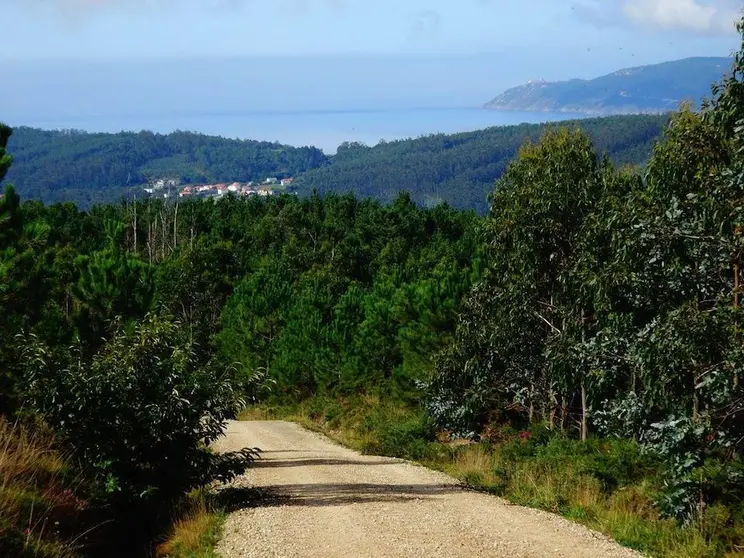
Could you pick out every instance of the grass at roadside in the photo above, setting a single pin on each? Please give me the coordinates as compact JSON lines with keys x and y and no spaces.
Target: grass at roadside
{"x":44,"y":511}
{"x":607,"y":485}
{"x":196,"y":529}
{"x":39,"y":508}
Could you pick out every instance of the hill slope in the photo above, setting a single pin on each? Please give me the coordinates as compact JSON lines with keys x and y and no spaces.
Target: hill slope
{"x":646,"y":89}
{"x":90,"y":168}
{"x":461,"y":169}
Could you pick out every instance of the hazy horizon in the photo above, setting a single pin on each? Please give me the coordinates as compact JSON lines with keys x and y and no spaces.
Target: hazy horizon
{"x":101,"y":64}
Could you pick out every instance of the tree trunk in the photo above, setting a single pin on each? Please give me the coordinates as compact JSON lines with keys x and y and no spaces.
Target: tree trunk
{"x":175,"y":224}
{"x":532,"y":403}
{"x":151,"y":230}
{"x":135,"y":225}
{"x":163,"y":234}
{"x":584,"y":414}
{"x":553,"y":410}
{"x":736,"y":307}
{"x":584,"y":421}
{"x":564,"y":413}
{"x":193,"y":224}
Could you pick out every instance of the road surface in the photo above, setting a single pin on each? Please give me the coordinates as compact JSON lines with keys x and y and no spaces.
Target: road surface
{"x":308,"y":497}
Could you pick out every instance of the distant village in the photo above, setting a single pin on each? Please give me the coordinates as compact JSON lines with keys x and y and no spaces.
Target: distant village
{"x":269,"y":187}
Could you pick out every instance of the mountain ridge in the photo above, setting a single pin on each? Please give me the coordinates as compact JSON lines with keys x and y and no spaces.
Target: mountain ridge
{"x":650,"y":89}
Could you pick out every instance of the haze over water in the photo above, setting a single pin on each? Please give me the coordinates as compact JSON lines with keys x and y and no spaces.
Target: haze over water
{"x":320,"y":101}
{"x":326,"y":130}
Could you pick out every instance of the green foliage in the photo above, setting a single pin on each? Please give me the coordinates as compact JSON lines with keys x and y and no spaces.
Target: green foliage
{"x":344,"y":295}
{"x":193,"y":284}
{"x":140,"y":413}
{"x":253,"y":319}
{"x":410,"y":439}
{"x":591,"y":300}
{"x":5,"y":158}
{"x":19,"y":285}
{"x":111,"y":283}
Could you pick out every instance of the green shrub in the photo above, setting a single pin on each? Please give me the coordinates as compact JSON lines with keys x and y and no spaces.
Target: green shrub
{"x":409,"y":439}
{"x":613,"y":462}
{"x":141,"y":413}
{"x":324,"y":409}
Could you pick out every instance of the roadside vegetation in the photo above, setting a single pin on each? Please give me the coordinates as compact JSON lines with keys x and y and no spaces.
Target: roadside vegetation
{"x":42,"y":500}
{"x":195,"y":528}
{"x":609,"y":485}
{"x":579,"y":349}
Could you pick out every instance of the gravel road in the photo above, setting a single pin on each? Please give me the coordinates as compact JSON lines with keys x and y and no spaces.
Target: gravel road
{"x":308,"y":497}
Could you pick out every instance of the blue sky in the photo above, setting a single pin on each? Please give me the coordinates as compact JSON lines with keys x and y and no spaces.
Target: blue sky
{"x":616,"y":30}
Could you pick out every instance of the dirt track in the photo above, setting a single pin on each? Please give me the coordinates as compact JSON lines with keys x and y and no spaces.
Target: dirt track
{"x":308,"y":497}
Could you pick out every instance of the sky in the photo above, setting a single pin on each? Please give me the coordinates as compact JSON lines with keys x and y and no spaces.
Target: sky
{"x":614,"y":30}
{"x":212,"y":65}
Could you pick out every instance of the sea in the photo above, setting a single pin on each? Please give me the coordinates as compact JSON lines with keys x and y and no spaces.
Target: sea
{"x":321,"y":102}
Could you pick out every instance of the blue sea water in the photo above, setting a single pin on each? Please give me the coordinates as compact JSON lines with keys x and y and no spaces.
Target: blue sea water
{"x":320,"y":101}
{"x":325,"y":129}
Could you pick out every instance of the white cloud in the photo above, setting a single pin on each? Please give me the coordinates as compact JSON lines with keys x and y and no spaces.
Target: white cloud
{"x":709,"y":17}
{"x":681,"y":14}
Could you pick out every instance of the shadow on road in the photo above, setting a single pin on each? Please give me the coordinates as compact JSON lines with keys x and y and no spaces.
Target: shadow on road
{"x":288,"y":451}
{"x":319,"y":495}
{"x":271,"y":463}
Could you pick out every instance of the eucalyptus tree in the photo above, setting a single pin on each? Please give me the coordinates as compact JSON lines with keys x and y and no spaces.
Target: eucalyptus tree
{"x":524,"y":311}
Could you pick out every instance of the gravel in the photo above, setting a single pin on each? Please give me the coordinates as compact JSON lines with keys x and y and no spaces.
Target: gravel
{"x":307,"y":497}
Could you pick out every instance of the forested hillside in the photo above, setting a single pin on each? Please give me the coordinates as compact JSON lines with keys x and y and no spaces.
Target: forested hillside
{"x":460,"y":169}
{"x":85,"y":168}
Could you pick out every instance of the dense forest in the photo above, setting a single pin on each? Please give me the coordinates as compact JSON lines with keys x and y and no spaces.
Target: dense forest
{"x":320,"y":294}
{"x":87,"y":168}
{"x":587,"y":333}
{"x":459,"y":169}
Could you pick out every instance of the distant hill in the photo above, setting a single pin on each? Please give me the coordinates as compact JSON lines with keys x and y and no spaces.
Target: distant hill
{"x":94,"y":168}
{"x":646,"y":89}
{"x":460,"y":169}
